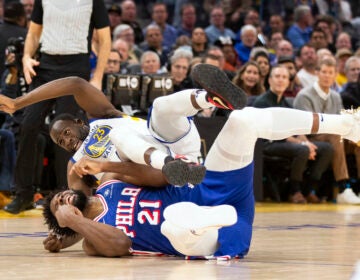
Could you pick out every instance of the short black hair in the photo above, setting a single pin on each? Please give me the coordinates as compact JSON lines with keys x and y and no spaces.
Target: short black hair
{"x":61,"y":117}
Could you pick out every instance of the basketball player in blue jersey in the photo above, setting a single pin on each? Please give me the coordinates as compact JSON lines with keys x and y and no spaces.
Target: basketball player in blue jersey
{"x":116,"y":137}
{"x":212,"y":219}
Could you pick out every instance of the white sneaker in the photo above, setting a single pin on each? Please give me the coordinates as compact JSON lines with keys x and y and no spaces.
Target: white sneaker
{"x":347,"y":197}
{"x":354,"y":134}
{"x":199,"y":218}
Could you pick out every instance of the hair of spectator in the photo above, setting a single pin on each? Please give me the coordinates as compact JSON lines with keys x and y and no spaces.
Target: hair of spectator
{"x":149,"y":53}
{"x":350,"y":60}
{"x":300,"y":11}
{"x":248,"y":27}
{"x":181,"y":53}
{"x":120,"y":29}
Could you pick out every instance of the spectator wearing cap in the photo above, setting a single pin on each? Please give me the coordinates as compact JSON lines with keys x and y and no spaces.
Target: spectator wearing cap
{"x":114,"y":12}
{"x":14,"y":26}
{"x":231,"y":58}
{"x":294,"y":85}
{"x":342,"y":55}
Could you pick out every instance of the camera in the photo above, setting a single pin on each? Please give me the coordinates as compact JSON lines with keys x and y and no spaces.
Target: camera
{"x":15,"y":46}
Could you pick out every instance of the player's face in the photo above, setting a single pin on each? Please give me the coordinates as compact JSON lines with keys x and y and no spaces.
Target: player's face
{"x":68,"y":134}
{"x":68,"y":197}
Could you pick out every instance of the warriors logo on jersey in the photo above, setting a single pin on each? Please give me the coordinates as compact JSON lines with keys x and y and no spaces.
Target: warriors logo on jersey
{"x":99,"y":141}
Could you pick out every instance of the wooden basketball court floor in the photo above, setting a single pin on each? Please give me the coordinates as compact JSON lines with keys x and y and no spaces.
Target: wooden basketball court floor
{"x":289,"y":242}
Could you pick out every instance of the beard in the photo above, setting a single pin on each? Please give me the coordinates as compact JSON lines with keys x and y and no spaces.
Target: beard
{"x":80,"y":200}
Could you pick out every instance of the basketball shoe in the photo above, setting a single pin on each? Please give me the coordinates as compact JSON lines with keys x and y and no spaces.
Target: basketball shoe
{"x":180,"y":171}
{"x":222,"y":93}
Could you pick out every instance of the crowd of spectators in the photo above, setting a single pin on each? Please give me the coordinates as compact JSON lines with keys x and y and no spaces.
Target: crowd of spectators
{"x":246,"y":39}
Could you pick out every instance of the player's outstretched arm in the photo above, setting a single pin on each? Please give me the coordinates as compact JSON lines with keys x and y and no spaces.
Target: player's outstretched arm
{"x":89,"y":98}
{"x":133,"y":173}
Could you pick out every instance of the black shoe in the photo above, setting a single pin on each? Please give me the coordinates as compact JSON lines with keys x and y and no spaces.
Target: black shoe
{"x":19,"y":204}
{"x":221,"y":91}
{"x":178,"y":172}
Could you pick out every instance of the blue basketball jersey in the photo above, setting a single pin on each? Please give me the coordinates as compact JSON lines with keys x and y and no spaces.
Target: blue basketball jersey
{"x":138,"y":212}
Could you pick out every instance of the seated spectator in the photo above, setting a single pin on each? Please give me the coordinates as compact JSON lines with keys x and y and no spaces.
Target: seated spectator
{"x":188,"y":20}
{"x":343,"y":41}
{"x":226,"y":44}
{"x":129,"y":16}
{"x":262,"y":59}
{"x":248,"y":79}
{"x":325,"y":22}
{"x":179,"y":69}
{"x":159,"y":15}
{"x":126,"y":33}
{"x":350,"y":93}
{"x":307,"y":74}
{"x":149,"y":64}
{"x":182,"y":41}
{"x":113,"y":62}
{"x":199,"y":42}
{"x":284,"y":48}
{"x":297,"y":148}
{"x":217,"y":27}
{"x":352,"y":72}
{"x":274,"y":40}
{"x":322,"y":53}
{"x":114,"y":12}
{"x":342,"y":55}
{"x":299,"y":32}
{"x":318,"y":39}
{"x":248,"y":40}
{"x":154,"y":42}
{"x":320,"y":98}
{"x":276,"y":24}
{"x":294,"y":85}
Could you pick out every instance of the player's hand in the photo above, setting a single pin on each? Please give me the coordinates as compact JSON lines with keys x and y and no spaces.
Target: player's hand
{"x":66,"y":214}
{"x":7,"y":104}
{"x":312,"y":147}
{"x":28,"y":68}
{"x":52,"y":243}
{"x":86,"y":166}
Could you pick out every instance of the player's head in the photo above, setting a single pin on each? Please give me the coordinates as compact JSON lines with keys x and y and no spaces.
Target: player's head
{"x":68,"y":132}
{"x":54,"y":200}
